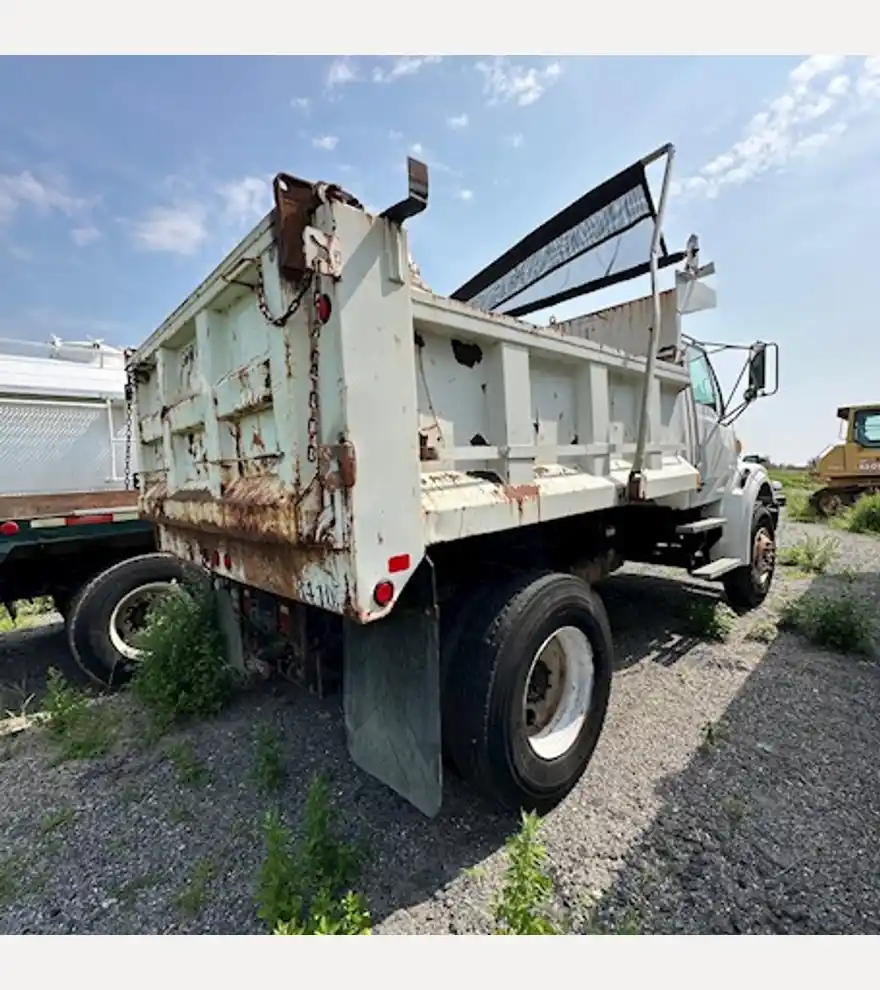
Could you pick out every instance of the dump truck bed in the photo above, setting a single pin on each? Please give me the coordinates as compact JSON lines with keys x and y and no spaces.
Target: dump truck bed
{"x":311,"y":420}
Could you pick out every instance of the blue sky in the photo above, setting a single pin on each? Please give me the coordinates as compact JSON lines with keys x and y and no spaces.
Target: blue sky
{"x":123,"y":181}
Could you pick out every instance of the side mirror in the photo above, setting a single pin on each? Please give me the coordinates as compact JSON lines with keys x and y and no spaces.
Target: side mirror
{"x":758,"y":354}
{"x":757,"y":367}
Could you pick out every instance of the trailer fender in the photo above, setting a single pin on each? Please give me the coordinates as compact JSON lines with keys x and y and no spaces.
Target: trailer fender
{"x":391,"y":694}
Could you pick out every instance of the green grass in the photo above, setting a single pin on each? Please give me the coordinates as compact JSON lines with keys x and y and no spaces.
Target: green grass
{"x":184,"y":673}
{"x":864,"y":516}
{"x":305,"y":885}
{"x":838,"y":622}
{"x":799,"y":508}
{"x":189,"y":768}
{"x":763,"y":631}
{"x":191,"y":900}
{"x":710,"y":619}
{"x":522,"y":906}
{"x":55,"y":820}
{"x":10,"y":872}
{"x":29,"y":613}
{"x":80,"y":728}
{"x":269,"y":770}
{"x":813,"y":554}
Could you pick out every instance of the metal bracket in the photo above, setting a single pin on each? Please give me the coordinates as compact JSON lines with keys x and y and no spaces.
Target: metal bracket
{"x":417,"y":198}
{"x":345,"y":473}
{"x":322,"y":253}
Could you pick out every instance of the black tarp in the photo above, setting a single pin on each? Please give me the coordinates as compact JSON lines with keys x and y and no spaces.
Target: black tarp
{"x":600,"y":240}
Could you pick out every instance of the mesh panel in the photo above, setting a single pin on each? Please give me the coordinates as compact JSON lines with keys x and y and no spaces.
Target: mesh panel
{"x":55,"y":448}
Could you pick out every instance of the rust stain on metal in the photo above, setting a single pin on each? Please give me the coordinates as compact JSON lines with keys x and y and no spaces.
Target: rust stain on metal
{"x":345,"y":474}
{"x":257,"y":440}
{"x":521,"y":493}
{"x":32,"y":506}
{"x":295,"y":203}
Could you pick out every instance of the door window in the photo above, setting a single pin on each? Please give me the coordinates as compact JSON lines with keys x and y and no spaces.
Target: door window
{"x":703,"y":382}
{"x":866,"y":428}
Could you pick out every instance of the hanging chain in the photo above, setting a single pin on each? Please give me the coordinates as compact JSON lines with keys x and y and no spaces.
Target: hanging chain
{"x":129,"y":413}
{"x":280,"y":321}
{"x":314,"y":379}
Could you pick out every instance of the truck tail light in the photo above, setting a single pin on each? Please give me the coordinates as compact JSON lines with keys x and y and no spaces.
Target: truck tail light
{"x":383,"y":593}
{"x":9,"y":528}
{"x":323,"y":309}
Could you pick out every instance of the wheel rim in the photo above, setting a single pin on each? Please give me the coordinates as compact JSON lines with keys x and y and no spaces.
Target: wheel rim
{"x":763,"y":556}
{"x":130,"y":614}
{"x":559,"y":692}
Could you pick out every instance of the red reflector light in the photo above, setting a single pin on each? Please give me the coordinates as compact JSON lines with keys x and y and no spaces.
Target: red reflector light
{"x":227,"y":561}
{"x":8,"y":528}
{"x":383,"y":593}
{"x":106,"y":517}
{"x":398,"y":563}
{"x":323,"y":309}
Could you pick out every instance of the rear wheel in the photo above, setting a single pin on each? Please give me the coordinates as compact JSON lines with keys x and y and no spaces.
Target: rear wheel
{"x":108,"y":613}
{"x":527,"y":689}
{"x":748,"y":586}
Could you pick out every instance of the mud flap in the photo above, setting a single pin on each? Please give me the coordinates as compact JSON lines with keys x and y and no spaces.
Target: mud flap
{"x":391,"y":689}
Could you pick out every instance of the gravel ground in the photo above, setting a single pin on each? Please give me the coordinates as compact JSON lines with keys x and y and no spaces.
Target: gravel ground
{"x":767,"y":822}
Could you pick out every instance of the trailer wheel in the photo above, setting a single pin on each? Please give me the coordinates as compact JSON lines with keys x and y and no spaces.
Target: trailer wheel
{"x":527,"y":688}
{"x":748,"y":586}
{"x":107,"y":613}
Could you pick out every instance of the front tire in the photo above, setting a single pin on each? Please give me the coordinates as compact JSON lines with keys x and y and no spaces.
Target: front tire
{"x":748,"y":586}
{"x":527,"y":689}
{"x":107,"y":613}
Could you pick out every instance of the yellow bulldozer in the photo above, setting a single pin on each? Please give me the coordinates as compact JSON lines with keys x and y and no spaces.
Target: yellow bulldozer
{"x":850,"y":469}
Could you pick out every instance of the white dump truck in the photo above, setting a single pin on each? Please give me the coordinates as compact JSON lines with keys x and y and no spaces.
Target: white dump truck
{"x":417,"y":493}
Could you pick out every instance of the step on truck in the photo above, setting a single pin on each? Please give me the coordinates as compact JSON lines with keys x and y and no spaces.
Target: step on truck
{"x":69,"y":511}
{"x":416,"y":494}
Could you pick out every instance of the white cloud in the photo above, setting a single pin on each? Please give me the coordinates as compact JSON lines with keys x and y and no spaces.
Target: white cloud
{"x":516,"y":140}
{"x":395,"y":135}
{"x":464,"y":194}
{"x":300,"y":103}
{"x":177,"y":230}
{"x":83,"y":236}
{"x":504,"y":82}
{"x":246,"y":199}
{"x":327,"y":142}
{"x":815,"y":65}
{"x":868,"y":82}
{"x":25,"y":189}
{"x":457,"y":123}
{"x":405,"y":65}
{"x":808,"y":117}
{"x":340,"y":73}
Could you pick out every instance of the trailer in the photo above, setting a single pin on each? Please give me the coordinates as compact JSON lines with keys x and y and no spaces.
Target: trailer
{"x":68,"y":506}
{"x":418,"y":493}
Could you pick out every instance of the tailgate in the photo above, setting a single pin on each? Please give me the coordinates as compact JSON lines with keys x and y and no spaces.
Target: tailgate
{"x":227,"y":397}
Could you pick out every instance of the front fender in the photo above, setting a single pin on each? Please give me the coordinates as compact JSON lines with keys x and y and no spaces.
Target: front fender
{"x":751,"y":485}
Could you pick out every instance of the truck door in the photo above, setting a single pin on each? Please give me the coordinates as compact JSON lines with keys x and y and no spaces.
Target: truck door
{"x":716,"y":453}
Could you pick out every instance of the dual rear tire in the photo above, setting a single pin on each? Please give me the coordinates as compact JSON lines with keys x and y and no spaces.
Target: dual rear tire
{"x":527,"y":679}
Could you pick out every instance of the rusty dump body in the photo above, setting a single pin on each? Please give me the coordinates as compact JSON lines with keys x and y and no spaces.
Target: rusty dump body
{"x":312,"y":418}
